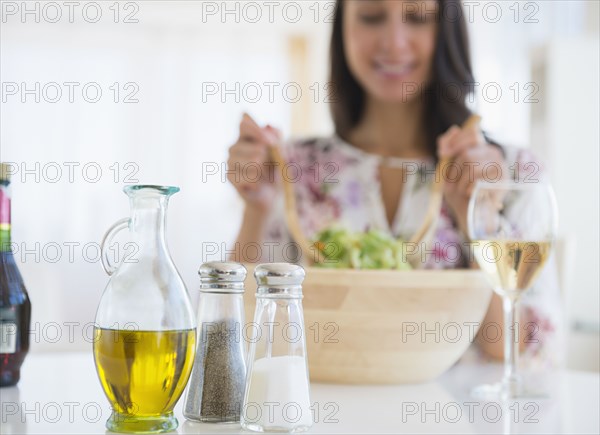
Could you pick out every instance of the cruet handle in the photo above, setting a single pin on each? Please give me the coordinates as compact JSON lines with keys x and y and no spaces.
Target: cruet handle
{"x":121,"y":224}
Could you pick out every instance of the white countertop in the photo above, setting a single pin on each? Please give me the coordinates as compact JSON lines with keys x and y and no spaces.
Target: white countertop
{"x":60,"y":393}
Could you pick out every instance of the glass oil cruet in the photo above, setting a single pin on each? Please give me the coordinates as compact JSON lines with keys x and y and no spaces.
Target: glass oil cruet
{"x":277,"y":397}
{"x":145,"y":331}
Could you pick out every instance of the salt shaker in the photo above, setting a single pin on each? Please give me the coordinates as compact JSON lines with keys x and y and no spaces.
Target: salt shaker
{"x":277,"y":382}
{"x":216,"y":387}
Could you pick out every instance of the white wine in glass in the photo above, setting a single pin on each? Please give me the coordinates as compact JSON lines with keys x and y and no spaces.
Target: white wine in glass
{"x":512,"y":226}
{"x":512,"y":265}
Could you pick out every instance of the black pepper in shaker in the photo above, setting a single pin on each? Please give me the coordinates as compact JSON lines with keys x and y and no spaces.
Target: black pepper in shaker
{"x":216,"y":387}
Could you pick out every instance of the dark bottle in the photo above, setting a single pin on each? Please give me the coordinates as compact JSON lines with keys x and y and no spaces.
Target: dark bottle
{"x":15,"y":307}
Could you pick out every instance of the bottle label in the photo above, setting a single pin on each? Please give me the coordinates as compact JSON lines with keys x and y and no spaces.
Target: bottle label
{"x":8,"y":337}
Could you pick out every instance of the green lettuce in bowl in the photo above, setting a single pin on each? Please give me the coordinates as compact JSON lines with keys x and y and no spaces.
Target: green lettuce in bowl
{"x":374,"y":249}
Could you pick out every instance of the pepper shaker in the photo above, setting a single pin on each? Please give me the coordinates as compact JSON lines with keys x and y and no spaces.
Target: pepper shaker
{"x":277,"y":382}
{"x":216,"y":387}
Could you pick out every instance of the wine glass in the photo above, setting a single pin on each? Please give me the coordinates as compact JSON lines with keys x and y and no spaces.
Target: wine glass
{"x":512,"y":226}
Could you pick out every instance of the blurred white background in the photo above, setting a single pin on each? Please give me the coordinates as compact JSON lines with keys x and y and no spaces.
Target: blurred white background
{"x":179,"y":59}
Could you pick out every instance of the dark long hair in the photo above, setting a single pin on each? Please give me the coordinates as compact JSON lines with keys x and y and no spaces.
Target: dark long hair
{"x":444,"y":99}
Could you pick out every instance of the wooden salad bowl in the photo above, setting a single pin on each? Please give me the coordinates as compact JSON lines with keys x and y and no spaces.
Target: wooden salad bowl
{"x":386,"y":327}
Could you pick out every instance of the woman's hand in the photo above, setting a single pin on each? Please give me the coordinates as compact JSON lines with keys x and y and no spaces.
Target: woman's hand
{"x":472,"y":159}
{"x":250,"y":169}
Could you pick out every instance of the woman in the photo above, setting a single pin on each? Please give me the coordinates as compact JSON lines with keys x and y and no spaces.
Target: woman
{"x":401,"y":70}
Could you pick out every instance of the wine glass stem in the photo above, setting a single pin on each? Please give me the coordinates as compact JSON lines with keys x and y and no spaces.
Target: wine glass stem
{"x":511,"y":342}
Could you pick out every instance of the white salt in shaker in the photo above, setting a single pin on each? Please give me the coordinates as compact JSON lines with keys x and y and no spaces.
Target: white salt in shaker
{"x":277,"y":385}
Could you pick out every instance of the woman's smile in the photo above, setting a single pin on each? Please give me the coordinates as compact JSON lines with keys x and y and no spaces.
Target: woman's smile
{"x":395,"y":70}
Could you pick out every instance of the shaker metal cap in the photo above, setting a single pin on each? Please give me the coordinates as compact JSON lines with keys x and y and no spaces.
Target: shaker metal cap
{"x":279,"y":279}
{"x":226,"y":276}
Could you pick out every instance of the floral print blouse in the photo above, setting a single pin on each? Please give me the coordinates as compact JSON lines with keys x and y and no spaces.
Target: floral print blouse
{"x":338,"y":184}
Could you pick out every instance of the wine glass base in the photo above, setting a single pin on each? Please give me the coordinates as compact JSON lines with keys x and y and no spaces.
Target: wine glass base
{"x":504,"y":391}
